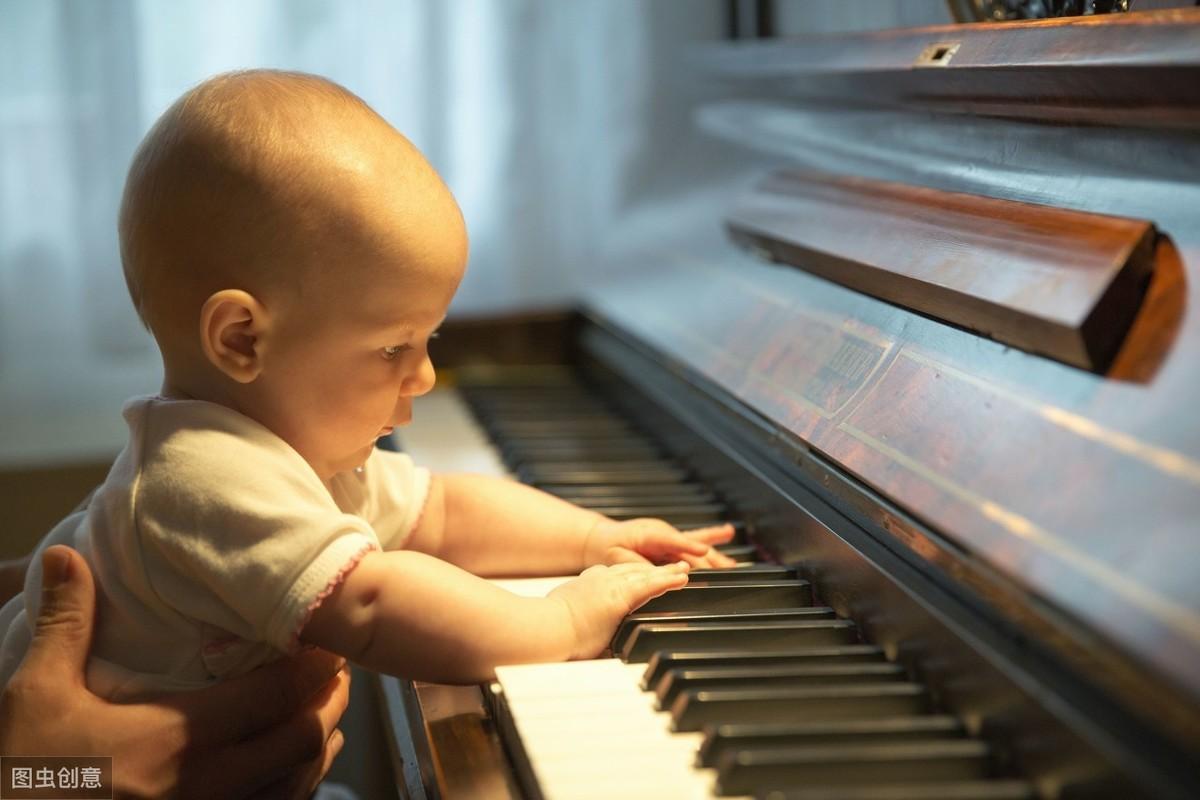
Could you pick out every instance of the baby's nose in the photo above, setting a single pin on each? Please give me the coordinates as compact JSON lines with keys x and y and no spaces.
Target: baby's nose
{"x":421,"y":381}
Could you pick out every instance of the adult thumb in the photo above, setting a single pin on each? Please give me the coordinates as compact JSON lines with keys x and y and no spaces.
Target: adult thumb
{"x":62,"y":632}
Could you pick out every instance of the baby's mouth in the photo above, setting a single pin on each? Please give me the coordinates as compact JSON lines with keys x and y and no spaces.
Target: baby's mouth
{"x":386,"y":431}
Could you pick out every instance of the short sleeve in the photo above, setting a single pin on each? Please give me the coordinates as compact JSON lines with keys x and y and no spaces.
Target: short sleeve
{"x":389,"y":492}
{"x":237,"y":531}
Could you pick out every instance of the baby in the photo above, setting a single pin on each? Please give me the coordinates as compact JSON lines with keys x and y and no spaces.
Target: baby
{"x":293,"y":255}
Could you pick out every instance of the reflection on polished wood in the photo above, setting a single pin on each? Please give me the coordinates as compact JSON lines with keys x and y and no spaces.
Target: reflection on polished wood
{"x":468,"y":757}
{"x":1062,"y":283}
{"x":1157,"y":324}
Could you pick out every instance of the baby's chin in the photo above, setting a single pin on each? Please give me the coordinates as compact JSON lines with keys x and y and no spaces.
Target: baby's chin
{"x":352,"y":461}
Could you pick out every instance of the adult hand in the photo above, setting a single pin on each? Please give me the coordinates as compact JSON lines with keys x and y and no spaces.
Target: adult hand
{"x":657,"y":542}
{"x":270,"y":733}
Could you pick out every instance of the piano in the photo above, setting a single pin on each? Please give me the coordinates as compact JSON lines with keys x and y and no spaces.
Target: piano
{"x":928,"y":336}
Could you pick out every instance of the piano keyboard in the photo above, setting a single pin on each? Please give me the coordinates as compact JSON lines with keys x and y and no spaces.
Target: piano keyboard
{"x":446,"y":438}
{"x":735,"y":686}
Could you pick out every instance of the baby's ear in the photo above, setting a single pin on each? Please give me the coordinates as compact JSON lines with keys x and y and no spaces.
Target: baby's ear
{"x":232,"y":324}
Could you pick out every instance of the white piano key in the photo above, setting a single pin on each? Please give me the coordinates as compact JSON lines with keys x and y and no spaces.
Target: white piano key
{"x":532,"y":587}
{"x":589,"y":731}
{"x":445,"y":437}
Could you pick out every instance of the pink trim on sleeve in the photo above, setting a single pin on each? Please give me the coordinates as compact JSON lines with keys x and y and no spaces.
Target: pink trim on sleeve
{"x":219,"y":646}
{"x":334,"y":583}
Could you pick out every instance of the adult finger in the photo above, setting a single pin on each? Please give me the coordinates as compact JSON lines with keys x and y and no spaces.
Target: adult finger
{"x":277,"y":753}
{"x":303,"y":782}
{"x":62,"y":632}
{"x":243,"y":706}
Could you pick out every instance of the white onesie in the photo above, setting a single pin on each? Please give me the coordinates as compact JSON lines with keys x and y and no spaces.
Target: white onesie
{"x":212,"y":541}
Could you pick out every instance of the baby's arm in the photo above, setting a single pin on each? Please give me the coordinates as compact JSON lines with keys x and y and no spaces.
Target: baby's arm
{"x":407,"y":613}
{"x":492,"y":526}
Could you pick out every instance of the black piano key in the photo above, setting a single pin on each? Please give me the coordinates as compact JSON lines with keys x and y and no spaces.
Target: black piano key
{"x":680,"y":680}
{"x":586,"y":448}
{"x":541,"y":386}
{"x":733,"y":596}
{"x":656,"y":505}
{"x":583,"y":438}
{"x":648,"y":639}
{"x":721,"y":739}
{"x":500,"y":415}
{"x":596,"y":453}
{"x":606,"y":423}
{"x":556,"y":414}
{"x":746,"y":771}
{"x":566,"y":395}
{"x":755,"y":573}
{"x":611,"y":474}
{"x":743,"y":553}
{"x":637,"y":618}
{"x":545,"y":382}
{"x":651,"y":505}
{"x":665,"y":660}
{"x":550,"y":403}
{"x":694,"y":709}
{"x":956,"y":790}
{"x":653,"y":465}
{"x":550,"y":418}
{"x":688,"y":491}
{"x":626,"y":438}
{"x":704,"y":514}
{"x":525,"y":408}
{"x":739,"y":527}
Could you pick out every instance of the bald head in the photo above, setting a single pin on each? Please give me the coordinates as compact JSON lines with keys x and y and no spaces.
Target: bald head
{"x":264,"y":181}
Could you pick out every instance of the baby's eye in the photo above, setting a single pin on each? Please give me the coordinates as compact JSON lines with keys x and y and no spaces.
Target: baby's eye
{"x":392,"y":351}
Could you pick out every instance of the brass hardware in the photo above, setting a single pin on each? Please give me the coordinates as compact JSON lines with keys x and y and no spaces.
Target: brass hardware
{"x":937,"y":54}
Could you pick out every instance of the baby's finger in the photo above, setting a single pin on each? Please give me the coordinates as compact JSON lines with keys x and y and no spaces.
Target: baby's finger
{"x":715,"y":534}
{"x":665,"y":540}
{"x":718,"y":560}
{"x":658,"y":581}
{"x":645,"y":572}
{"x":631,"y":567}
{"x":623,"y":555}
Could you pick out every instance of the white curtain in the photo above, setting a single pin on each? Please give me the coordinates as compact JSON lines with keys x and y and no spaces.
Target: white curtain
{"x":534,"y":111}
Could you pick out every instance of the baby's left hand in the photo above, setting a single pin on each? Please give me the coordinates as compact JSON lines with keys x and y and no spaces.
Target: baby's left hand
{"x":657,"y":542}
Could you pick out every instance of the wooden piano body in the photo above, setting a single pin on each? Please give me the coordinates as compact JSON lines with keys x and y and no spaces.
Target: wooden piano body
{"x":1021,"y":531}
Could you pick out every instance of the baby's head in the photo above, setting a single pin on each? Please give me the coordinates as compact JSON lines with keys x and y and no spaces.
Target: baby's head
{"x":292,"y":254}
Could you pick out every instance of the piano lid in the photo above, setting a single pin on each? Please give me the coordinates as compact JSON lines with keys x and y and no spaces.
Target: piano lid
{"x":1082,"y":488}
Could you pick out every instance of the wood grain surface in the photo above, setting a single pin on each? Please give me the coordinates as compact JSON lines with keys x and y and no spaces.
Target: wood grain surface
{"x":1049,"y":280}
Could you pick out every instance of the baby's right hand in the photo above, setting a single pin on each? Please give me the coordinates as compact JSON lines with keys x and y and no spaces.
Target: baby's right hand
{"x":601,"y":596}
